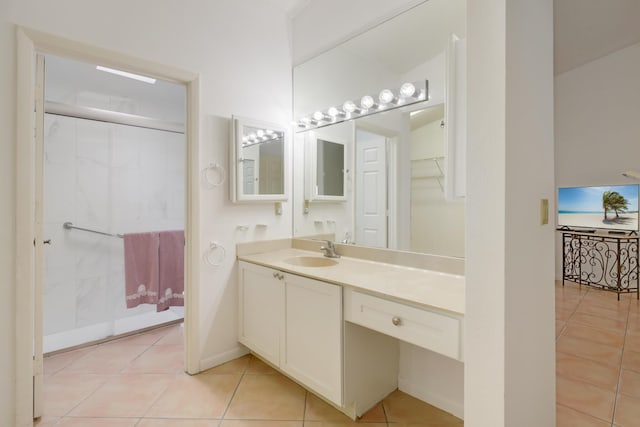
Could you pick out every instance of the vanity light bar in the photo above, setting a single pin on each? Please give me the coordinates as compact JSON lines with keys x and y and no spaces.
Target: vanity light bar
{"x":409,"y":93}
{"x":261,"y":136}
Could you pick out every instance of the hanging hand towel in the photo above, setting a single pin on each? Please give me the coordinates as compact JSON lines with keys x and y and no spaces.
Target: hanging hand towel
{"x":171,"y":281}
{"x":141,"y":268}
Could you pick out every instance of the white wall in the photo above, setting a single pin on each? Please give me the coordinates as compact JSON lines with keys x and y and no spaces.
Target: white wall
{"x":597,"y":126}
{"x":241,"y":51}
{"x":7,"y":218}
{"x":509,"y":319}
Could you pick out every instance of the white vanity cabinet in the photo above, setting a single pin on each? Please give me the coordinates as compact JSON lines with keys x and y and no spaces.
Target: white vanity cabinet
{"x":295,"y":323}
{"x":313,"y":335}
{"x":261,"y":308}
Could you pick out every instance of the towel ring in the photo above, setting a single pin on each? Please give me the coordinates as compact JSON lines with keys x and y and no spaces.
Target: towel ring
{"x":213,"y":248}
{"x":212,"y":168}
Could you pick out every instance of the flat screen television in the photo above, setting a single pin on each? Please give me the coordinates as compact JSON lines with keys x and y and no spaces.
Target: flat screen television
{"x":613,"y":207}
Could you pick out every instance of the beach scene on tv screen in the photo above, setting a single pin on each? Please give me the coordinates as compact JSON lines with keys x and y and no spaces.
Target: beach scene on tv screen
{"x":613,"y":207}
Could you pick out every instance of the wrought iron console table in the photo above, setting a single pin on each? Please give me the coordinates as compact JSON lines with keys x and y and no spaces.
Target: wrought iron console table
{"x":605,"y":261}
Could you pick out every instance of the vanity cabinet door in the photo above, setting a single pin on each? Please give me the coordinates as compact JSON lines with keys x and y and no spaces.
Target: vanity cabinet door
{"x":313,"y":335}
{"x":261,"y":308}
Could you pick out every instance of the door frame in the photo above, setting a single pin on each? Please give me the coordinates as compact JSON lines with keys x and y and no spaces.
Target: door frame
{"x":30,"y":42}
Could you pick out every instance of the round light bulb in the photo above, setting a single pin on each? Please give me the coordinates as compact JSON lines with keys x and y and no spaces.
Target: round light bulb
{"x":333,"y":112}
{"x":367,"y":102}
{"x":245,"y":139}
{"x":407,"y":90}
{"x":305,"y":120}
{"x":318,"y":115}
{"x":270,"y":132}
{"x":349,"y":106}
{"x":386,"y":96}
{"x":252,"y":136}
{"x":260,"y":133}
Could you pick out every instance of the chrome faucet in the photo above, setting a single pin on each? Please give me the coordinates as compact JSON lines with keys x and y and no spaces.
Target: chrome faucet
{"x":329,"y":250}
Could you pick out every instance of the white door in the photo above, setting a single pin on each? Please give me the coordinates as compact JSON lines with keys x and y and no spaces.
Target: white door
{"x":371,"y":190}
{"x":38,"y":241}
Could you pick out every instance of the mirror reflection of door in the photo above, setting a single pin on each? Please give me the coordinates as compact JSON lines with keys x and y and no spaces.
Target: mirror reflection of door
{"x":371,"y":189}
{"x":249,"y":176}
{"x":271,"y":169}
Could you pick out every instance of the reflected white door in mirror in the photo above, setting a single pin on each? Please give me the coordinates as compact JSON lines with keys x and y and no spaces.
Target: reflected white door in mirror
{"x":259,"y":171}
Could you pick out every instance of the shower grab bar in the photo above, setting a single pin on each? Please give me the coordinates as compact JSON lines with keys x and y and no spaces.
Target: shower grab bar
{"x":69,"y":226}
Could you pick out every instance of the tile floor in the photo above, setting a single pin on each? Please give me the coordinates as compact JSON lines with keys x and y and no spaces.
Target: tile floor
{"x":138,"y":381}
{"x":597,"y":358}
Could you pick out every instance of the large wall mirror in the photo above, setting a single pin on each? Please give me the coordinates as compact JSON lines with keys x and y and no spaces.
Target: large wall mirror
{"x":402,"y":177}
{"x":258,"y":167}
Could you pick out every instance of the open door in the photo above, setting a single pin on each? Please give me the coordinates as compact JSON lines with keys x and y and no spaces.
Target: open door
{"x":39,"y":241}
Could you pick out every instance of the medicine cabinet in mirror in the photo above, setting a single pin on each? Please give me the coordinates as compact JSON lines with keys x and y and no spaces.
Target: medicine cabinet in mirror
{"x":258,"y":167}
{"x":325,"y":168}
{"x":404,"y":169}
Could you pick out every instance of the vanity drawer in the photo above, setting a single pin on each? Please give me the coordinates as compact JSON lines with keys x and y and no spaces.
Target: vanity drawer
{"x":422,"y":327}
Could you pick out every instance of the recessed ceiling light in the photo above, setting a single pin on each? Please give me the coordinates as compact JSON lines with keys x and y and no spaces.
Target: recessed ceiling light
{"x":126,"y":74}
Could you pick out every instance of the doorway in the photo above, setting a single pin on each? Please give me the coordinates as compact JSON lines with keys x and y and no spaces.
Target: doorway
{"x":114,"y":157}
{"x":30,"y":238}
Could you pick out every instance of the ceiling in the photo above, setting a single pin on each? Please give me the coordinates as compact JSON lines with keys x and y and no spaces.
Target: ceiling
{"x":585,"y":30}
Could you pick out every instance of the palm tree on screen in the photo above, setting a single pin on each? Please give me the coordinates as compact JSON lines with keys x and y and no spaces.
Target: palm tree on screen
{"x":614,"y":201}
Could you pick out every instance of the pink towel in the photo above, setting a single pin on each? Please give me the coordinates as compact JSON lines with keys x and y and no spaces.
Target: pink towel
{"x":141,"y":268}
{"x":171,"y":282}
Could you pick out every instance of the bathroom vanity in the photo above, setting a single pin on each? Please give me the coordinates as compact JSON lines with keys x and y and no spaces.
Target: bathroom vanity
{"x":333,"y":325}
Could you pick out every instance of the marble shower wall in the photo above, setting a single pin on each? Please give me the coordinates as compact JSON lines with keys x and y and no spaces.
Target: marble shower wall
{"x":110,"y":178}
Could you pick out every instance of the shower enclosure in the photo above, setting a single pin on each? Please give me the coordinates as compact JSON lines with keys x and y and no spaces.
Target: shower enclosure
{"x":110,"y":178}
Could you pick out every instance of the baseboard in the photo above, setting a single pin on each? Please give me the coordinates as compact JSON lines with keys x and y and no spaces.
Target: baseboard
{"x":417,"y":390}
{"x":219,"y":359}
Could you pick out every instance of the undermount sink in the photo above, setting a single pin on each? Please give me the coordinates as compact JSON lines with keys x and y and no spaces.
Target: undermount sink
{"x":311,"y":261}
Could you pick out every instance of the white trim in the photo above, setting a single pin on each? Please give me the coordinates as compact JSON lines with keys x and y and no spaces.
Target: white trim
{"x":221,"y":358}
{"x":28,"y":42}
{"x":417,"y":390}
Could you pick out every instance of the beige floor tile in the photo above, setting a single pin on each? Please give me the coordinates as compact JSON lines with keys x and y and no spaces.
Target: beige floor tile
{"x":318,"y":410}
{"x":629,"y":383}
{"x":56,"y":363}
{"x":200,"y":396}
{"x":560,"y":326}
{"x":585,"y":398}
{"x":607,"y":299}
{"x":267,"y":397}
{"x":63,"y":392}
{"x":162,"y":422}
{"x":631,"y":360}
{"x":46,"y":421}
{"x":236,"y":366}
{"x":257,"y":366}
{"x":164,"y":359}
{"x":400,"y":407}
{"x":175,"y":336}
{"x":632,"y":341}
{"x":564,"y":314}
{"x":627,"y":411}
{"x":596,"y":373}
{"x":108,"y":358}
{"x":567,"y":417}
{"x":375,"y":414}
{"x":601,"y":353}
{"x":124,"y":396}
{"x":98,"y":422}
{"x":603,"y":336}
{"x":607,"y":312}
{"x":260,"y":423}
{"x":598,"y":322}
{"x":411,"y":424}
{"x":343,"y":424}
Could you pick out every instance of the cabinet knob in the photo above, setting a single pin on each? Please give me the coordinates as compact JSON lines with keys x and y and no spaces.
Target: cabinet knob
{"x":275,"y":274}
{"x":396,"y":321}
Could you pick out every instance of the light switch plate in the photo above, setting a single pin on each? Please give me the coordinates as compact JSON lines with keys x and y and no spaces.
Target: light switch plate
{"x":544,"y":211}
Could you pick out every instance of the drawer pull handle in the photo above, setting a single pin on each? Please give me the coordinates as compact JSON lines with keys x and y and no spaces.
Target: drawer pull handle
{"x":275,"y":274}
{"x":396,"y":321}
{"x":278,"y":276}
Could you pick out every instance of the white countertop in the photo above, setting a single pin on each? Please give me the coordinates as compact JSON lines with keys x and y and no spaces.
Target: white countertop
{"x":413,"y":285}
